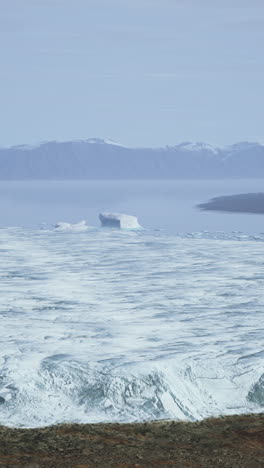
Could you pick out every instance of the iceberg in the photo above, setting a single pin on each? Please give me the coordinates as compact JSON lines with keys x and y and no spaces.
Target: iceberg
{"x":62,"y":226}
{"x":119,"y":220}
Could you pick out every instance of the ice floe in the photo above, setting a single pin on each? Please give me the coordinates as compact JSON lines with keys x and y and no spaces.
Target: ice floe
{"x":119,"y":220}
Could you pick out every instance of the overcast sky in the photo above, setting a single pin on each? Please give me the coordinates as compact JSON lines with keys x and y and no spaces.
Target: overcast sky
{"x":141,"y":72}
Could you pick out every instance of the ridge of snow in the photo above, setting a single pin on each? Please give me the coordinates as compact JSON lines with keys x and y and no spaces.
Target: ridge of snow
{"x":242,"y":145}
{"x":103,"y":141}
{"x":197,"y":146}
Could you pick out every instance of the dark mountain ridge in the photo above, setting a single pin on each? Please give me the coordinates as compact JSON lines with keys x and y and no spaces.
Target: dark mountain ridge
{"x":100,"y":159}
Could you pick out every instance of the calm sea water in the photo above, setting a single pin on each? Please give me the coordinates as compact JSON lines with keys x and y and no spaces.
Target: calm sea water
{"x":118,"y":325}
{"x":168,"y":205}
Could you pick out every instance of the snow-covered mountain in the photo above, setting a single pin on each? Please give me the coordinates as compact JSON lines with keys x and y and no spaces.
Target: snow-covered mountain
{"x":104,"y":159}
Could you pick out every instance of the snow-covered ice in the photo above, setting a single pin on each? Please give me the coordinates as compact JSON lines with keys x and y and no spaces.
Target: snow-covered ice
{"x":62,"y":226}
{"x":119,"y":325}
{"x":119,"y":220}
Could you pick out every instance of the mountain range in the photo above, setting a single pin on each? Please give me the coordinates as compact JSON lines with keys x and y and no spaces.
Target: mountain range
{"x":104,"y":159}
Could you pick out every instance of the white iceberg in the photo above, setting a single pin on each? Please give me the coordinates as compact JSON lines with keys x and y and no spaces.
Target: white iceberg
{"x":119,"y":220}
{"x":62,"y":226}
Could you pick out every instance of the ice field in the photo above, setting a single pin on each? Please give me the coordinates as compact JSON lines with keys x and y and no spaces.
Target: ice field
{"x":118,"y":325}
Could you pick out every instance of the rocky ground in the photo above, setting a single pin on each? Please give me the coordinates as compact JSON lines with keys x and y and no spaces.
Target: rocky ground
{"x":234,"y":441}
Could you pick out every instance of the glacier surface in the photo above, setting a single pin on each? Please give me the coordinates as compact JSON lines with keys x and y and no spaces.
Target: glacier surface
{"x":125,"y":325}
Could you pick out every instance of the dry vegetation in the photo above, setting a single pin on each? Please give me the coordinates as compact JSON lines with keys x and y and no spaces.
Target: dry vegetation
{"x":234,"y":441}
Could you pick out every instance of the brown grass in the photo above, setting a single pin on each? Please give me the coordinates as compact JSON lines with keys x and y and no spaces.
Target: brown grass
{"x":233,"y":441}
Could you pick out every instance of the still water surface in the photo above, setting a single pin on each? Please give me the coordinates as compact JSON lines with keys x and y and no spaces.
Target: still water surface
{"x":168,"y":205}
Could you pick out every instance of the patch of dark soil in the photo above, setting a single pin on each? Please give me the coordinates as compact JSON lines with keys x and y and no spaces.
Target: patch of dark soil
{"x":233,"y":441}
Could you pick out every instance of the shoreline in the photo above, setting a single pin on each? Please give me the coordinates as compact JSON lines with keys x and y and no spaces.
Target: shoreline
{"x":230,"y":441}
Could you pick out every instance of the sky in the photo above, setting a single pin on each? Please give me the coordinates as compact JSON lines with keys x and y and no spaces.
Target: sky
{"x":140,"y":72}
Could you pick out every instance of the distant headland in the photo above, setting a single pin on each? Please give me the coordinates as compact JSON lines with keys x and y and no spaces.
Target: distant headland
{"x":241,"y":203}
